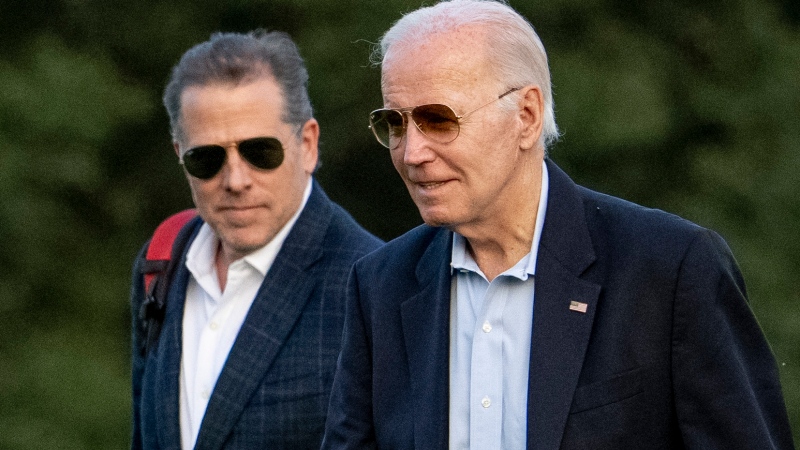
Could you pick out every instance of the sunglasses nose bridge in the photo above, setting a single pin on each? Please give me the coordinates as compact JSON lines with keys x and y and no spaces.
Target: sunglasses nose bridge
{"x":416,"y":144}
{"x":420,"y":128}
{"x":235,"y":169}
{"x":230,"y":156}
{"x":408,"y":118}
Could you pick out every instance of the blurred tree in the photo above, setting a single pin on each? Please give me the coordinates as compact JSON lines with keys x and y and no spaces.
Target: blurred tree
{"x":685,"y":106}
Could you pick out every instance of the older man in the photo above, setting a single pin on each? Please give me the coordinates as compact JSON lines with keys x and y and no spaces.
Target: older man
{"x":252,"y":329}
{"x":530,"y":312}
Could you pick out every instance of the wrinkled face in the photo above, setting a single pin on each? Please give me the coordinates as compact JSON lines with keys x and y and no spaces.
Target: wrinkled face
{"x":244,"y":205}
{"x":463,"y":182}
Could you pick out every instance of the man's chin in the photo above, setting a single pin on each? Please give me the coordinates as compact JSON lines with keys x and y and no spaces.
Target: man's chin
{"x":241,"y":246}
{"x":435,"y":220}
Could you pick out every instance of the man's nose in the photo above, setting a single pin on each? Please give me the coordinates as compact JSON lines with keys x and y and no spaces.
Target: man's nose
{"x":416,"y":146}
{"x":237,"y":172}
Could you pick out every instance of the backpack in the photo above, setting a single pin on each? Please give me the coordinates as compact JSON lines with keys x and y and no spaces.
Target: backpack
{"x":163,"y":253}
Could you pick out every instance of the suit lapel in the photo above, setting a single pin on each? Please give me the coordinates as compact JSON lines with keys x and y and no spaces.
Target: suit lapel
{"x":560,"y":333}
{"x":275,"y":310}
{"x":426,"y":319}
{"x":168,"y":366}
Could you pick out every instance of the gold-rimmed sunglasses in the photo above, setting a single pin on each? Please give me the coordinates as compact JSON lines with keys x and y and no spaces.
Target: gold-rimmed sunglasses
{"x":436,"y":121}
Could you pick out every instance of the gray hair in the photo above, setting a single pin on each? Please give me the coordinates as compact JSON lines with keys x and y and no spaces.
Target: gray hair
{"x":236,"y":58}
{"x":517,"y":55}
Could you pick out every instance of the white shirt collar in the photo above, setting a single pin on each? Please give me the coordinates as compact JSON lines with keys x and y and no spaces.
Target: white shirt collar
{"x":462,"y":260}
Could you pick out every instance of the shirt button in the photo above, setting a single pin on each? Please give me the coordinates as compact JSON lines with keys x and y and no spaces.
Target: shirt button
{"x":213,"y":325}
{"x":486,"y":402}
{"x":206,"y":394}
{"x":487,"y":327}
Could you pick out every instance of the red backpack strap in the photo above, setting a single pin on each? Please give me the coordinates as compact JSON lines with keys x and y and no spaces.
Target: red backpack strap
{"x":157,"y":270}
{"x":159,"y":252}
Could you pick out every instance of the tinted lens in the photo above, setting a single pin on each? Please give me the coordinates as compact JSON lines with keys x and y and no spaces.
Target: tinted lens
{"x":204,"y":162}
{"x":387,"y":125}
{"x":263,"y":152}
{"x":438,"y":122}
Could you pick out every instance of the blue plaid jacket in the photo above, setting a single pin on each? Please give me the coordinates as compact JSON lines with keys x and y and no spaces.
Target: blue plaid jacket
{"x":273,"y":390}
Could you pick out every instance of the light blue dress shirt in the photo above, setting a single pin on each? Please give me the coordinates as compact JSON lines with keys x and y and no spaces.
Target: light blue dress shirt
{"x":490,"y":344}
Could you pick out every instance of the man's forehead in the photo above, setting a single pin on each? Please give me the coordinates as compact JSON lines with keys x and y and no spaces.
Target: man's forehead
{"x":441,"y":42}
{"x":226,"y":112}
{"x":438,"y":51}
{"x":442,"y":62}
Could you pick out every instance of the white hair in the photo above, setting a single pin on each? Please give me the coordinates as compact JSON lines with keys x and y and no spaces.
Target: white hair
{"x":518,"y":56}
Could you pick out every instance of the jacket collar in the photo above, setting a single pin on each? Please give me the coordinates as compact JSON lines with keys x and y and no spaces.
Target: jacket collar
{"x":425,"y":318}
{"x":564,"y":308}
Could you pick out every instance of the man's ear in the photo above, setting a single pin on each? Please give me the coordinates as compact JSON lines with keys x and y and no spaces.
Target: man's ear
{"x":309,"y":145}
{"x":531,"y":113}
{"x":177,"y":148}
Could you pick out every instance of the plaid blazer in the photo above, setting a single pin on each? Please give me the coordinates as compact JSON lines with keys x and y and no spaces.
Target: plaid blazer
{"x":273,"y":390}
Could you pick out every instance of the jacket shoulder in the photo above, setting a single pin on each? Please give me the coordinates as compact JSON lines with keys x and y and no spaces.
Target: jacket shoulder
{"x":632,"y":220}
{"x":659,"y":241}
{"x":402,"y":254}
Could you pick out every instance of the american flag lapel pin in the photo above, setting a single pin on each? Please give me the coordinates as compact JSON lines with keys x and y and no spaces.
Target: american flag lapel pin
{"x":578,"y":306}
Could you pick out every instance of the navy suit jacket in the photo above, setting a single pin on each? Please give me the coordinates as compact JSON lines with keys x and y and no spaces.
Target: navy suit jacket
{"x":667,"y":354}
{"x":274,"y":387}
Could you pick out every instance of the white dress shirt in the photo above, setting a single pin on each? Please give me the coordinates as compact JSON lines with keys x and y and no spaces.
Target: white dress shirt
{"x":212,"y":317}
{"x":490,"y":342}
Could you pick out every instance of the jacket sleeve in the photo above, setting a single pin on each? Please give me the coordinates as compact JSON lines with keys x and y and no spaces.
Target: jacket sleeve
{"x":350,"y":420}
{"x":725,"y":379}
{"x":137,"y":341}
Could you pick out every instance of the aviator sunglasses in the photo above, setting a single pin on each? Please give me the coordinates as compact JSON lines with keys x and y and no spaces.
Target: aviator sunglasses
{"x":436,"y":121}
{"x":206,"y":161}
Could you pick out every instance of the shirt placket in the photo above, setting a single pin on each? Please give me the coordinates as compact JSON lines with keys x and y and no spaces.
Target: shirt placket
{"x":486,"y":384}
{"x":208,"y":361}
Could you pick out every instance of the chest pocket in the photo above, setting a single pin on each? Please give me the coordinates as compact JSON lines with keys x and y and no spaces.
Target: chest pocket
{"x":606,"y":392}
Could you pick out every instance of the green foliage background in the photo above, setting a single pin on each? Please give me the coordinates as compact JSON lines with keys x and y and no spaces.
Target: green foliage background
{"x":687,"y":106}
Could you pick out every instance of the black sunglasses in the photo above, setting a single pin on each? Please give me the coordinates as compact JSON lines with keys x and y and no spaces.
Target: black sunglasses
{"x":436,"y":121}
{"x":206,"y":161}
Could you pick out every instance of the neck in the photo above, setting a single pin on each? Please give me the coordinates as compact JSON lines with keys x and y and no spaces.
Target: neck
{"x":498,"y":252}
{"x":505,"y":234}
{"x":222,"y":261}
